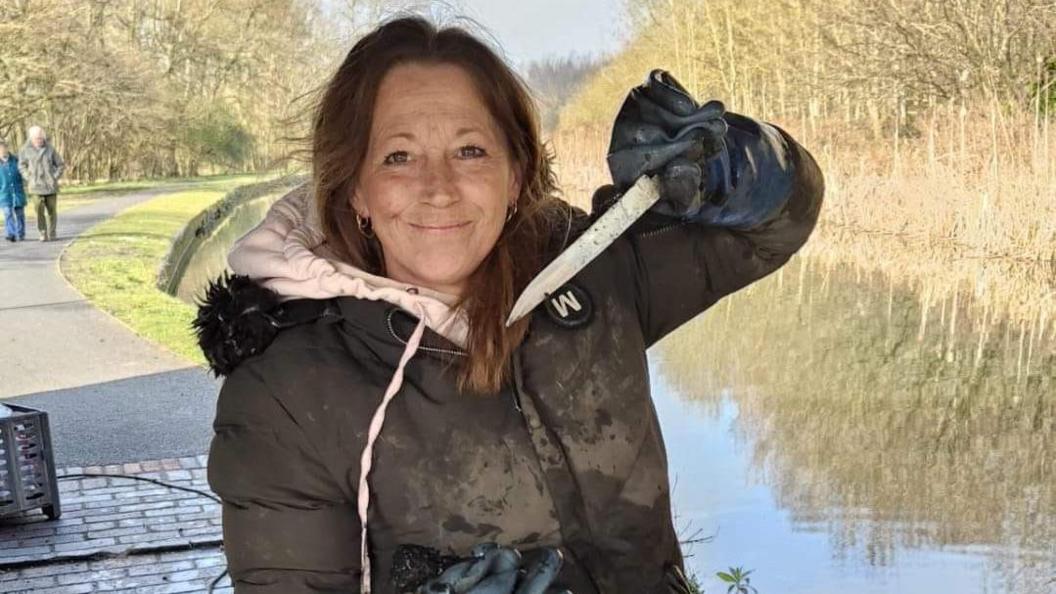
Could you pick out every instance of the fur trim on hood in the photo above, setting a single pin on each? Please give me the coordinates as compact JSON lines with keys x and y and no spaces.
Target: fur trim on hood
{"x":239,"y":318}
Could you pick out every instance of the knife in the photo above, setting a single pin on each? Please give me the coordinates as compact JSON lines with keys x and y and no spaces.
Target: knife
{"x":610,"y":225}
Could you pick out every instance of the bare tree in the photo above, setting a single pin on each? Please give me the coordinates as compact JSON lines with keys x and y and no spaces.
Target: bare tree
{"x":554,"y":80}
{"x":161,"y":87}
{"x":946,"y":49}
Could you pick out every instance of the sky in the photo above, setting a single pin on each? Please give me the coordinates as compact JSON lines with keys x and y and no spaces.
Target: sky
{"x":533,"y":29}
{"x":529,"y":30}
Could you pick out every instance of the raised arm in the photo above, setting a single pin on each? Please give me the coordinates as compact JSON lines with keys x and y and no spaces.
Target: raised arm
{"x":737,"y":199}
{"x":766,"y":196}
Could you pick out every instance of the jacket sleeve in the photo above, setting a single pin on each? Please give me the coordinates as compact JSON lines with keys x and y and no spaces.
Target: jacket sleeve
{"x":20,"y":180}
{"x":58,"y":164}
{"x":23,"y":164}
{"x":681,"y":267}
{"x":288,"y":527}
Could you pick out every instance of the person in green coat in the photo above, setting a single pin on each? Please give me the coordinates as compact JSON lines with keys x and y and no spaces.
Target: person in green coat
{"x":12,"y":195}
{"x":41,"y":167}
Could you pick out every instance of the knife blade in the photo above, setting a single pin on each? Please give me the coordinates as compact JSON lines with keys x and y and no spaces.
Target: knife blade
{"x":610,"y":225}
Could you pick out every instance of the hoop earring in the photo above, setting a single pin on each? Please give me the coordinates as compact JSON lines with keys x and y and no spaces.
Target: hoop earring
{"x":510,"y":211}
{"x":364,"y":226}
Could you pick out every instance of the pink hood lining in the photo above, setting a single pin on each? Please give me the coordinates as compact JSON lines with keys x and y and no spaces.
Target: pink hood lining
{"x":287,"y":253}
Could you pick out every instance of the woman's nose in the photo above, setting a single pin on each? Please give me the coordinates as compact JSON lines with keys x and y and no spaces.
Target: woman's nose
{"x":439,"y":182}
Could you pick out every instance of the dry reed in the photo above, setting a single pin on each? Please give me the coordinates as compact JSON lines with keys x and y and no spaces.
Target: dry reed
{"x":961,"y":198}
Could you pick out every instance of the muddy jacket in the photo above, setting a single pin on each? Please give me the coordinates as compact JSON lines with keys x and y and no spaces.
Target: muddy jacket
{"x":569,"y":453}
{"x":41,"y":168}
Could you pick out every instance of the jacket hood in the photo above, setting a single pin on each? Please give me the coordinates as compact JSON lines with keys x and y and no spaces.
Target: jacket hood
{"x":287,"y":254}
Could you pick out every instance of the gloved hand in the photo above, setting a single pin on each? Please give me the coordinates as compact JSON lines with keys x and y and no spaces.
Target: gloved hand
{"x":661,"y":130}
{"x":491,"y":569}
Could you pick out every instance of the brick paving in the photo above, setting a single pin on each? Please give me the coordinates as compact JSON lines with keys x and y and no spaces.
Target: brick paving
{"x":119,"y":535}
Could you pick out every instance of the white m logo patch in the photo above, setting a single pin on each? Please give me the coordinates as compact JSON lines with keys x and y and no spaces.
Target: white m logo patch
{"x":569,"y":307}
{"x":564,"y":301}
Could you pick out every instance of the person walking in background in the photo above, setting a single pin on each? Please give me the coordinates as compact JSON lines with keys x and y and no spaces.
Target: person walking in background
{"x":12,"y":195}
{"x":41,"y":166}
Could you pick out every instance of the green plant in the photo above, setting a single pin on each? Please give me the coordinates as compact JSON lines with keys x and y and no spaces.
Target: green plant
{"x":694,"y":585}
{"x":738,"y":580}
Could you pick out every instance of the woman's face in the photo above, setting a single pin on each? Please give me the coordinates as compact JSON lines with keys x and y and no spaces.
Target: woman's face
{"x":437,"y":179}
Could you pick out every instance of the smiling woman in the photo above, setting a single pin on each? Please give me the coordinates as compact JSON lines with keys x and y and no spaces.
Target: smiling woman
{"x":380,"y":428}
{"x":437,"y":184}
{"x":449,"y":137}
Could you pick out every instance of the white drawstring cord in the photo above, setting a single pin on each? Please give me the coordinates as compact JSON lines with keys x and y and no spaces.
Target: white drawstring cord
{"x":367,"y":459}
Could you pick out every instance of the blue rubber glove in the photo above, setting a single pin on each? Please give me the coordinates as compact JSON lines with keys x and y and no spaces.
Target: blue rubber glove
{"x":491,"y":569}
{"x":661,"y":130}
{"x":715,"y":168}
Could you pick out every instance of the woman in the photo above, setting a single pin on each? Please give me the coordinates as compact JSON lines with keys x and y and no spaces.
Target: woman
{"x":375,"y":401}
{"x":12,"y":195}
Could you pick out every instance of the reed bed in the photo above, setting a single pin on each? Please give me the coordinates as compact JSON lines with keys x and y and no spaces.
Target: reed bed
{"x":961,"y":198}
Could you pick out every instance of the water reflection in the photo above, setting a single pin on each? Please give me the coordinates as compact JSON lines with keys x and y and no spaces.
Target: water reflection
{"x":210,"y":257}
{"x":916,"y":436}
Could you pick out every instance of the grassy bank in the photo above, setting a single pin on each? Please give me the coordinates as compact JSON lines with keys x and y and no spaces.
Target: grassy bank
{"x":72,"y":197}
{"x":122,"y":187}
{"x":115,"y":264}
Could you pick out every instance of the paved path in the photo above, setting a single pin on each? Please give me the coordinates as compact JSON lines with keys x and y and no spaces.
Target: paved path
{"x":117,"y":534}
{"x":112,"y":397}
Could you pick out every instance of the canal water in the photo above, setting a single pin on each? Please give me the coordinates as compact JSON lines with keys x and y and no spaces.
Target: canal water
{"x":210,"y":258}
{"x":827,"y":431}
{"x":832,"y":434}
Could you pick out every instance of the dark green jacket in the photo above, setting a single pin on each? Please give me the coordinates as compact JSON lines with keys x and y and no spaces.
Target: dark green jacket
{"x":569,"y":454}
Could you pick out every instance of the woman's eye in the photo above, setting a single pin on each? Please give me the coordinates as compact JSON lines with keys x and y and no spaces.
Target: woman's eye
{"x":396,"y":157}
{"x":470,"y":152}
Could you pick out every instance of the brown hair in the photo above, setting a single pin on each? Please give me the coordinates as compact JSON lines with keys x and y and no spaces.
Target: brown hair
{"x":339,"y":144}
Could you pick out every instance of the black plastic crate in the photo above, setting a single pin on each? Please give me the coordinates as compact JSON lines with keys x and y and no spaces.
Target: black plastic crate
{"x":27,"y":464}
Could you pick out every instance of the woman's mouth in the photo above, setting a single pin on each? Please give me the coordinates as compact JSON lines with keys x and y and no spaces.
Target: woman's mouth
{"x":439,"y":227}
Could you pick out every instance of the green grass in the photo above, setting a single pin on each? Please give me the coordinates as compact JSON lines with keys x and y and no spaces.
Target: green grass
{"x":120,"y":187}
{"x":64,"y":204}
{"x":115,"y":264}
{"x":71,"y":197}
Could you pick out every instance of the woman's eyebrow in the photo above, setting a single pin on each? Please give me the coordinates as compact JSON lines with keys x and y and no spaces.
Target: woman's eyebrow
{"x":406,"y":135}
{"x":469,"y":130}
{"x":464,"y":131}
